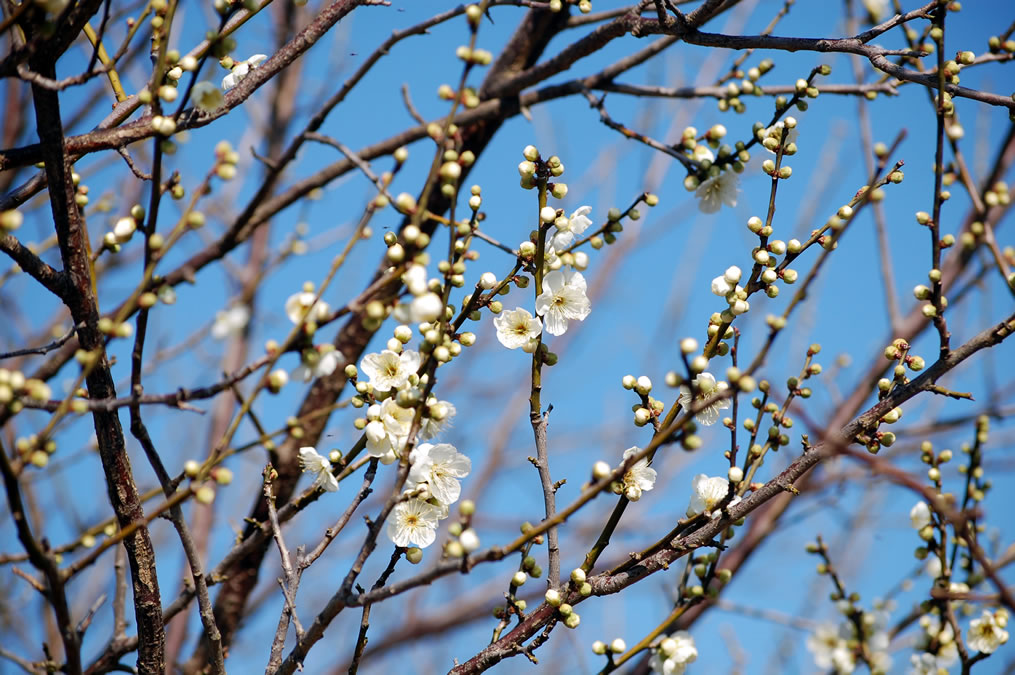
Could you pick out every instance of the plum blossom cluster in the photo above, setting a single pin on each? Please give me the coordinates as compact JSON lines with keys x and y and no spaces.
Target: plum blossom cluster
{"x":726,"y":287}
{"x":715,"y":182}
{"x":835,"y":648}
{"x":673,"y":654}
{"x":241,"y":69}
{"x":306,"y":310}
{"x":704,"y":387}
{"x":433,"y":485}
{"x":639,"y":478}
{"x":707,"y":494}
{"x":988,"y":633}
{"x":937,"y":648}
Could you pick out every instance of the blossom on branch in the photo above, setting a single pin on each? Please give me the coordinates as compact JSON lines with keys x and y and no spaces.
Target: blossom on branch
{"x":707,"y":386}
{"x":674,"y":654}
{"x":439,"y":467}
{"x":517,"y":328}
{"x":241,"y":70}
{"x":718,"y":190}
{"x":563,"y":299}
{"x":312,"y":462}
{"x":707,"y":493}
{"x":388,"y":370}
{"x":637,"y":479}
{"x":413,"y":523}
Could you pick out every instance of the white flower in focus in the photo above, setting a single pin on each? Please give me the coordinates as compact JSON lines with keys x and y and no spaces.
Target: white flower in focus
{"x":207,"y":97}
{"x":706,"y":387}
{"x":716,"y":191}
{"x":831,"y":650}
{"x":311,"y":462}
{"x":439,"y":466}
{"x":432,"y":425}
{"x":413,"y":523}
{"x":919,"y":515}
{"x":388,"y":429}
{"x":230,"y":322}
{"x":241,"y":70}
{"x":639,"y":478}
{"x":674,"y":654}
{"x":516,"y":328}
{"x":985,"y":635}
{"x":576,"y":224}
{"x":303,"y":302}
{"x":388,"y":370}
{"x":321,"y":364}
{"x":563,"y":299}
{"x":706,"y":495}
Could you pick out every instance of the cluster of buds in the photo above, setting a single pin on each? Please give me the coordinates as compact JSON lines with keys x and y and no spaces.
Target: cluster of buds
{"x":451,"y":169}
{"x":35,"y":449}
{"x":14,"y":386}
{"x":466,"y":540}
{"x":533,"y":169}
{"x":479,"y":57}
{"x":123,"y":229}
{"x":226,"y":160}
{"x":748,"y":85}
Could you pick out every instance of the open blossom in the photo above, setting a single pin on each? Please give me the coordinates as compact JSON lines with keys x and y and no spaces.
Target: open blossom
{"x":706,"y":494}
{"x":919,"y":515}
{"x":241,"y":70}
{"x":779,"y":132}
{"x":576,"y":224}
{"x":639,"y":478}
{"x":207,"y":97}
{"x":388,"y":370}
{"x":311,"y":462}
{"x":706,"y":387}
{"x":303,"y":302}
{"x":716,"y":191}
{"x":673,"y":654}
{"x":319,"y":362}
{"x":563,"y":299}
{"x":387,"y":430}
{"x":987,"y":633}
{"x":517,"y":328}
{"x":439,"y":419}
{"x":230,"y":322}
{"x":413,"y":523}
{"x":831,"y":650}
{"x":439,"y":466}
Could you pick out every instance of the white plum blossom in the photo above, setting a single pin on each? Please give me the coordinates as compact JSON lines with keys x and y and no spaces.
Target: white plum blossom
{"x":387,"y":430}
{"x":311,"y":462}
{"x":576,"y":224}
{"x":706,"y":494}
{"x":831,"y":650}
{"x":207,"y":97}
{"x":413,"y":523}
{"x":563,"y":299}
{"x":230,"y":322}
{"x":517,"y":328}
{"x":779,"y":133}
{"x":298,"y":304}
{"x":702,"y":153}
{"x":986,"y":634}
{"x":947,"y":651}
{"x":319,"y":362}
{"x":388,"y":370}
{"x":673,"y":654}
{"x":241,"y":70}
{"x":439,"y":419}
{"x":919,"y":515}
{"x":439,"y":466}
{"x":718,"y":190}
{"x":706,"y":387}
{"x":639,"y":478}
